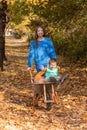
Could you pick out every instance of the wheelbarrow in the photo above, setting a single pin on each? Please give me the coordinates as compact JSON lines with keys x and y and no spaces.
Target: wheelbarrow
{"x":48,"y":98}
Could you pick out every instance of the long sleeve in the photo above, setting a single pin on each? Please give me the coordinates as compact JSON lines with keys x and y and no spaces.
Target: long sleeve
{"x":43,"y":53}
{"x":31,"y":54}
{"x":51,"y":50}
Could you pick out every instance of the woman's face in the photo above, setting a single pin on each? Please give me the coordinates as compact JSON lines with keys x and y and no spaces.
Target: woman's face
{"x":40,"y":32}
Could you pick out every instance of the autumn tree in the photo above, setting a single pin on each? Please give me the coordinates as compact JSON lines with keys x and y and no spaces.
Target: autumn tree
{"x":3,"y":8}
{"x":6,"y":10}
{"x":66,"y":23}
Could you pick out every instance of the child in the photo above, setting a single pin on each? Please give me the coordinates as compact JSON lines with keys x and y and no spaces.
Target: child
{"x":50,"y":73}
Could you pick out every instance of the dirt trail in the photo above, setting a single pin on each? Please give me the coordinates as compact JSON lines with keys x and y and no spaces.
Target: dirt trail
{"x":16,"y":110}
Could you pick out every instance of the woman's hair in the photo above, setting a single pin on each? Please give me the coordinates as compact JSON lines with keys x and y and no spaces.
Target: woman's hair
{"x":36,"y":36}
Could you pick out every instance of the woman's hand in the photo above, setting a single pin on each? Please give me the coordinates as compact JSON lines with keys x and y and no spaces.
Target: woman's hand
{"x":29,"y":68}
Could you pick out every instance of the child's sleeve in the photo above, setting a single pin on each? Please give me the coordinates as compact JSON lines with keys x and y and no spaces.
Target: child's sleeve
{"x":39,"y":74}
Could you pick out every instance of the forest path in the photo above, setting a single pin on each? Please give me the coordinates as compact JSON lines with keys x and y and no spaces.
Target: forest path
{"x":16,"y":110}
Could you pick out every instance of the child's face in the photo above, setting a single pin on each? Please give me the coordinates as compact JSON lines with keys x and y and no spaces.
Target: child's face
{"x":53,"y":65}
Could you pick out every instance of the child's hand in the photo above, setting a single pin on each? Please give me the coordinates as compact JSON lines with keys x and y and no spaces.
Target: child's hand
{"x":59,"y":68}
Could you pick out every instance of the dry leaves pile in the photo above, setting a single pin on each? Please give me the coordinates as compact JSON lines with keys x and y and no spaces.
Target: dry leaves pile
{"x":16,"y":110}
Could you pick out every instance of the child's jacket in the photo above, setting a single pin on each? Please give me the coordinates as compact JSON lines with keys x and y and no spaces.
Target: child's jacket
{"x":51,"y":72}
{"x":48,"y":72}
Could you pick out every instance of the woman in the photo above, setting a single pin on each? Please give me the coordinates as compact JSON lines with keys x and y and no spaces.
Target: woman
{"x":41,"y":50}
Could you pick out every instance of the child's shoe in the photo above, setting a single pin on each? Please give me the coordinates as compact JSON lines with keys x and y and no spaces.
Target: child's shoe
{"x":64,"y":78}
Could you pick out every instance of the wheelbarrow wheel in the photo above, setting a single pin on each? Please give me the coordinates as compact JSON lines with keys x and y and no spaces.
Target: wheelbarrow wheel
{"x":48,"y":105}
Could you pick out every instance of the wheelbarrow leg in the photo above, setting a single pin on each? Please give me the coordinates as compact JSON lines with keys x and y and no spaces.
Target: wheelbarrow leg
{"x":35,"y":99}
{"x":44,"y":87}
{"x":53,"y":93}
{"x":48,"y":99}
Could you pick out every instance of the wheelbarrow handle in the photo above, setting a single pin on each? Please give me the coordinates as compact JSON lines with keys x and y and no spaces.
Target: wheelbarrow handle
{"x":30,"y":73}
{"x":31,"y":76}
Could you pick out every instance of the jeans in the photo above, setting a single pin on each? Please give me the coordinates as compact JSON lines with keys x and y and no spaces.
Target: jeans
{"x":40,"y":67}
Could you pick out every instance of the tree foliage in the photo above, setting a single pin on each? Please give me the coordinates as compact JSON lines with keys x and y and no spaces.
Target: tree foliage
{"x":19,"y":10}
{"x":65,"y":22}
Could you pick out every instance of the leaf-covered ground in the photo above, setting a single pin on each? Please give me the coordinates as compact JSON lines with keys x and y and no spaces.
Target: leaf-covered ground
{"x":16,"y":110}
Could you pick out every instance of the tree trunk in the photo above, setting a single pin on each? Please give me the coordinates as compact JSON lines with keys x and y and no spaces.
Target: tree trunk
{"x":3,"y":8}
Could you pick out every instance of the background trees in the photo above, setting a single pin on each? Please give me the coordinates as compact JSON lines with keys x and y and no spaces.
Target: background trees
{"x":64,"y":21}
{"x":3,"y":8}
